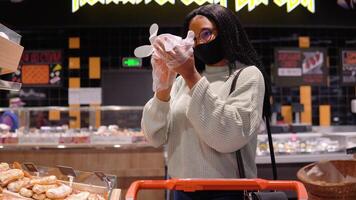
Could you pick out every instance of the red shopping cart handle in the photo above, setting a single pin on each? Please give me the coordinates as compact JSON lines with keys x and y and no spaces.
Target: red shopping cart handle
{"x":191,"y":185}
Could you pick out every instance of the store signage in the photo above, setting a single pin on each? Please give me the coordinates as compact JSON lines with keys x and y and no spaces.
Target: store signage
{"x":41,"y":57}
{"x":131,"y":62}
{"x":40,"y":68}
{"x":295,"y":67}
{"x":348,"y":67}
{"x":239,"y":4}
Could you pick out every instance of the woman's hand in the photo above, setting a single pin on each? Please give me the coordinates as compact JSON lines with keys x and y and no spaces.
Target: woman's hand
{"x":180,"y":60}
{"x":163,"y":78}
{"x":188,"y":71}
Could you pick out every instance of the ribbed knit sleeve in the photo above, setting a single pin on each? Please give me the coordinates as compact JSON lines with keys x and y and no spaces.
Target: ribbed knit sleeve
{"x":156,"y":118}
{"x":155,"y":121}
{"x":227,"y":125}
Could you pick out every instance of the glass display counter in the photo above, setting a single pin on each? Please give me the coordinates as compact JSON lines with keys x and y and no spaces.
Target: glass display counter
{"x":106,"y":138}
{"x":305,"y":147}
{"x":46,"y":126}
{"x":28,"y":181}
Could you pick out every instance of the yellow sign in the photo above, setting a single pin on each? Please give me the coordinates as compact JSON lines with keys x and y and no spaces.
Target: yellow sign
{"x":239,"y":4}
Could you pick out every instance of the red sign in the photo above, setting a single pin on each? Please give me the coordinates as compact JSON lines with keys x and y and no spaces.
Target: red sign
{"x":41,"y":57}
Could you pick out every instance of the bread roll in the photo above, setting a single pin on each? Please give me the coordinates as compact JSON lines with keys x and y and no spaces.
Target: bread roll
{"x":17,"y":165}
{"x":10,"y":175}
{"x":59,"y":192}
{"x":39,"y":189}
{"x":39,"y":196}
{"x":79,"y":196}
{"x":95,"y":197}
{"x":4,"y":167}
{"x":26,"y":192}
{"x":47,"y":180}
{"x":17,"y":185}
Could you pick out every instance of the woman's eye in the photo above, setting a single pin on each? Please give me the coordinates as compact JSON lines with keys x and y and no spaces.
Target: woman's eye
{"x":205,"y":35}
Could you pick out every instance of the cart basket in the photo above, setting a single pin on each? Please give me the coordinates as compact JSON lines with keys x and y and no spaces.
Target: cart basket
{"x":191,"y":185}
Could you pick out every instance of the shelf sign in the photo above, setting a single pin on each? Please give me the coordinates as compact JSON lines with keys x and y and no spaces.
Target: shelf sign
{"x":296,"y":67}
{"x":348,"y":67}
{"x":130,"y":62}
{"x":239,"y":4}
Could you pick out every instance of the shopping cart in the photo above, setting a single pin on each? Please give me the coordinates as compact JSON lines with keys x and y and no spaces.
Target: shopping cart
{"x":243,"y":184}
{"x":191,"y":185}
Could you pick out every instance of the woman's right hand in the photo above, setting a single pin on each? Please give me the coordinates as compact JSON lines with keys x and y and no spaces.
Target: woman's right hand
{"x":163,"y":78}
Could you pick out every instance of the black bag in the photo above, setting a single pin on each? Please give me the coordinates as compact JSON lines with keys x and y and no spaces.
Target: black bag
{"x":240,"y":164}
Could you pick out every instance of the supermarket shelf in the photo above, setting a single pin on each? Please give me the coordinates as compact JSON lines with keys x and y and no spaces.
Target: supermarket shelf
{"x":4,"y":147}
{"x":305,"y":158}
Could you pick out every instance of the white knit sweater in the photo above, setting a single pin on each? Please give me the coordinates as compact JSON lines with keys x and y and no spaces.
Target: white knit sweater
{"x":203,"y":127}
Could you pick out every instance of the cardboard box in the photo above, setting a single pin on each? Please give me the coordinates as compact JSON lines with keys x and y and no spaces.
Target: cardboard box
{"x":10,"y":50}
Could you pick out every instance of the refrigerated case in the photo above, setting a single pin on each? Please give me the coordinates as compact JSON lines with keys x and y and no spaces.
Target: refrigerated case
{"x":303,"y":147}
{"x":105,"y":125}
{"x":108,"y":139}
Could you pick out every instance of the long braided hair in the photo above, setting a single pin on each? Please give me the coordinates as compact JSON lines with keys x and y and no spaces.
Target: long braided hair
{"x":234,"y":41}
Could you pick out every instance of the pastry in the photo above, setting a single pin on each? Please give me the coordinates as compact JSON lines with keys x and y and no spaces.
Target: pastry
{"x":39,"y":189}
{"x":39,"y":196}
{"x":59,"y":192}
{"x":10,"y":175}
{"x":79,"y":196}
{"x":17,"y":185}
{"x":26,"y":192}
{"x":95,"y":197}
{"x":4,"y":167}
{"x":48,"y":180}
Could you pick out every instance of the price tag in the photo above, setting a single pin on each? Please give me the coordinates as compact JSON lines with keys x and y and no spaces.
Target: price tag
{"x":30,"y":167}
{"x":68,"y":171}
{"x":351,"y":150}
{"x":101,"y":175}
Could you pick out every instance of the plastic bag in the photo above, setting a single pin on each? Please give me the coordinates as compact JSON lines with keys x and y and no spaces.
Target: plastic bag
{"x":174,"y":52}
{"x":163,"y":78}
{"x":326,"y":171}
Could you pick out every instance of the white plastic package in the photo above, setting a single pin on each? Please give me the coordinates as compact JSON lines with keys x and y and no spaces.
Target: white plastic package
{"x":175,"y":52}
{"x":162,"y":76}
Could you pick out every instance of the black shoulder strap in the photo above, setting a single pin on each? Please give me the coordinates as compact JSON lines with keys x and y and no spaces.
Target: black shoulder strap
{"x":240,"y":163}
{"x":233,"y":85}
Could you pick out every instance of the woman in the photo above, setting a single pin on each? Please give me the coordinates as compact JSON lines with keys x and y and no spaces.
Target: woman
{"x":201,"y":123}
{"x":10,"y":117}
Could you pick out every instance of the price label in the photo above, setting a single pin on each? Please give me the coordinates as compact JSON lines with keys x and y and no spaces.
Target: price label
{"x":68,"y":171}
{"x":351,"y":150}
{"x":30,"y":167}
{"x":101,"y":175}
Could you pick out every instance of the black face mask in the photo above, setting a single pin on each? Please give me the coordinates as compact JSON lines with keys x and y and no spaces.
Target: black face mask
{"x":209,"y":53}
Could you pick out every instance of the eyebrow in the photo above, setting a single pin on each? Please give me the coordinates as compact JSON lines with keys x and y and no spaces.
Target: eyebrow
{"x":209,"y":28}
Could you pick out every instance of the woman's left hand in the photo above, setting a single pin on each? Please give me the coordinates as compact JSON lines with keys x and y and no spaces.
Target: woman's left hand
{"x":180,"y":60}
{"x":188,"y":71}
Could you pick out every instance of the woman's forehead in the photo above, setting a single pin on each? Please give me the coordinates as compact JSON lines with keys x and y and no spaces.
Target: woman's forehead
{"x":199,"y":22}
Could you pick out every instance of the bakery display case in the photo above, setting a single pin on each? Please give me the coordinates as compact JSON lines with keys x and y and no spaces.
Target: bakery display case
{"x":291,"y":144}
{"x":106,"y":138}
{"x":28,"y":181}
{"x":46,"y":126}
{"x":304,"y":147}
